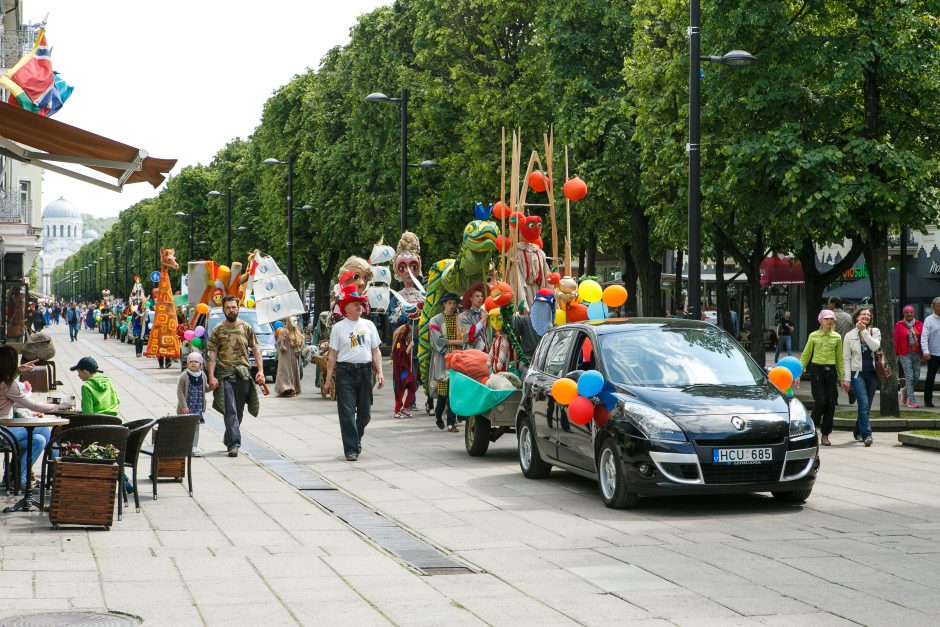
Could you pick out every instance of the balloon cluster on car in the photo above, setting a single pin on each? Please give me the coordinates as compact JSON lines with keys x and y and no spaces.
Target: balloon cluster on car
{"x":587,"y":395}
{"x":785,"y":373}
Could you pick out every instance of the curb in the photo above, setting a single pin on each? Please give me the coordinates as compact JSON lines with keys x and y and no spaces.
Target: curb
{"x":889,"y":424}
{"x":922,"y":441}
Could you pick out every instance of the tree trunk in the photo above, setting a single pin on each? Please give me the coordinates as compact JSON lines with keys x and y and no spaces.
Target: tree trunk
{"x":876,"y":256}
{"x":581,"y":265}
{"x":650,"y":271}
{"x":816,"y":282}
{"x":629,"y":277}
{"x":591,"y":261}
{"x":677,"y":288}
{"x":750,"y":264}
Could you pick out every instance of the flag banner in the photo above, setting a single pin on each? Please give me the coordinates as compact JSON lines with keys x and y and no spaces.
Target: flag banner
{"x":32,"y":83}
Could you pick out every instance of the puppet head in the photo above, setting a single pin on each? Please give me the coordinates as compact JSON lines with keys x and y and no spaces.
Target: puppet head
{"x":355,"y":271}
{"x":496,"y":319}
{"x":217,"y":295}
{"x":168,"y":258}
{"x":407,"y":261}
{"x":530,"y":230}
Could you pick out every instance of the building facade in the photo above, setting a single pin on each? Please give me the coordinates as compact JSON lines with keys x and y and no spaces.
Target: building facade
{"x":63,"y":233}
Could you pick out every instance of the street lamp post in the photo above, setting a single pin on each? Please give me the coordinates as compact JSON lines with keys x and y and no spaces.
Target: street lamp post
{"x":140,"y":253}
{"x":290,"y":214}
{"x":183,"y":214}
{"x":228,"y":217}
{"x":733,"y":58}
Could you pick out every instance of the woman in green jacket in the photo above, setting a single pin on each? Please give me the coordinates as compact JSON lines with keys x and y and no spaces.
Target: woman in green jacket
{"x":824,"y":353}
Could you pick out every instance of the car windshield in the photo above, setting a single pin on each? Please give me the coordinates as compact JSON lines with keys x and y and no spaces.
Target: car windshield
{"x":677,"y":357}
{"x":248,"y":315}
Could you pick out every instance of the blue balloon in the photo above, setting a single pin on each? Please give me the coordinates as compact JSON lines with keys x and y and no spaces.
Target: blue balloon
{"x":277,"y":325}
{"x":793,"y":365}
{"x":597,"y":311}
{"x":590,"y":383}
{"x":609,"y":400}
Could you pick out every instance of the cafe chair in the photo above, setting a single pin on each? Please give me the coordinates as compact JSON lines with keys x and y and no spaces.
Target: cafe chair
{"x":173,"y":438}
{"x":135,"y":440}
{"x":12,"y":460}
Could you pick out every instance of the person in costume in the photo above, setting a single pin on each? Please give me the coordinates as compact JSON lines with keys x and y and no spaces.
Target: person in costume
{"x":403,"y":370}
{"x":530,"y":327}
{"x":355,"y":272}
{"x":290,"y":341}
{"x":472,"y":321}
{"x":445,"y":338}
{"x":502,"y":355}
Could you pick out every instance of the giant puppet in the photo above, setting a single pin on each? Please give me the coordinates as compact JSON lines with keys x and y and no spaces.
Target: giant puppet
{"x":164,"y":342}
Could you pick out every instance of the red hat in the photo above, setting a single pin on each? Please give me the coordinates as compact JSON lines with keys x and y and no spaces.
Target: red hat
{"x":350,"y":295}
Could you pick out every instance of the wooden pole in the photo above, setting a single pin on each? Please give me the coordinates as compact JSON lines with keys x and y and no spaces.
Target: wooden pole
{"x":549,"y":157}
{"x":567,"y":223}
{"x":502,"y":199}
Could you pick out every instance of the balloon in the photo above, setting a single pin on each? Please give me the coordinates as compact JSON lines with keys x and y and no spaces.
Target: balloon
{"x":250,"y":303}
{"x":553,"y":278}
{"x":789,"y":392}
{"x":202,"y":308}
{"x":503,"y":243}
{"x":199,"y":331}
{"x":560,"y":317}
{"x":500,"y":210}
{"x":614,"y":295}
{"x":597,"y":311}
{"x":586,"y":348}
{"x":590,"y":291}
{"x":224,"y":274}
{"x":197,"y":342}
{"x":277,"y":324}
{"x":781,"y":377}
{"x":188,"y":335}
{"x":591,"y":383}
{"x":793,"y":365}
{"x":575,"y":189}
{"x":277,"y":331}
{"x":577,"y":312}
{"x":601,"y":415}
{"x":537,"y":181}
{"x":580,"y":410}
{"x":608,"y":400}
{"x":564,"y":391}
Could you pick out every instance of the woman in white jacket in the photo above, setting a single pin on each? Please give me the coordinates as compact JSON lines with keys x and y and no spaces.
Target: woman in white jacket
{"x":858,"y":356}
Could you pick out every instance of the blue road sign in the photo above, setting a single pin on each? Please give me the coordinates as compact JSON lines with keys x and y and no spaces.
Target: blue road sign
{"x":155,"y":276}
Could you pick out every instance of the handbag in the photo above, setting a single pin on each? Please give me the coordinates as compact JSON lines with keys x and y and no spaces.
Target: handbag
{"x":38,"y":347}
{"x":882,"y":369}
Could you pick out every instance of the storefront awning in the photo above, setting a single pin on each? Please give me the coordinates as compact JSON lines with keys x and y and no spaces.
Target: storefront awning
{"x":777,"y":271}
{"x":34,"y":139}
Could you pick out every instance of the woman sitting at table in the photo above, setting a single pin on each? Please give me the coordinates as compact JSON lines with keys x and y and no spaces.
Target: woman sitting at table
{"x":12,"y":395}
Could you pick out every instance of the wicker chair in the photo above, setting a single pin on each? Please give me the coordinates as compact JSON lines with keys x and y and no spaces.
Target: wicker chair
{"x":176,"y":434}
{"x":138,"y":431}
{"x":102,"y":434}
{"x":11,"y":460}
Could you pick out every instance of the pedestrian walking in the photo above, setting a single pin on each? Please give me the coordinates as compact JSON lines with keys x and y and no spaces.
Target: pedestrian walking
{"x":858,"y":359}
{"x":290,"y":341}
{"x":355,"y":359}
{"x":785,"y":329}
{"x":930,"y":349}
{"x":191,"y":389}
{"x":98,"y":393}
{"x":907,"y":334}
{"x":139,"y":324}
{"x":72,"y":319}
{"x":403,"y":375}
{"x":228,"y":349}
{"x":445,"y":338}
{"x":823,"y":353}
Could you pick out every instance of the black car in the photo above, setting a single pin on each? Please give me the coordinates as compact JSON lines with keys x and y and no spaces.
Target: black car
{"x":694,"y":414}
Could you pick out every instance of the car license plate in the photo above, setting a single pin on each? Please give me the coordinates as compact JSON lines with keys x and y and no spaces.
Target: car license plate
{"x":742,"y":455}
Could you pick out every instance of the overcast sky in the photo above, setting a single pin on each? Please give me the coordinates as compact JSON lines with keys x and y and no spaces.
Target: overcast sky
{"x":178,"y":78}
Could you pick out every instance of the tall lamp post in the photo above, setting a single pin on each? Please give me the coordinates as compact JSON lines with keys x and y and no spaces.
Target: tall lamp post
{"x":140,"y":253}
{"x":127,"y":263}
{"x":183,"y":214}
{"x":735,"y":58}
{"x":403,"y":182}
{"x":228,"y":219}
{"x":290,"y":214}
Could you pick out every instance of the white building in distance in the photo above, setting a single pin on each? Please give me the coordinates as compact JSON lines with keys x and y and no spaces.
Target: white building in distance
{"x":62,"y":235}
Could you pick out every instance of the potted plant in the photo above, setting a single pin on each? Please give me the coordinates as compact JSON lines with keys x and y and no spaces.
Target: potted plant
{"x":84,"y":484}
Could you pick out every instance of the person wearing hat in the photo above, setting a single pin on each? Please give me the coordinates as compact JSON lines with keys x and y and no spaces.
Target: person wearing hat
{"x":824,"y":353}
{"x":907,"y":335}
{"x":191,"y":389}
{"x":98,"y":394}
{"x":355,"y":359}
{"x":472,"y":322}
{"x":444,"y":334}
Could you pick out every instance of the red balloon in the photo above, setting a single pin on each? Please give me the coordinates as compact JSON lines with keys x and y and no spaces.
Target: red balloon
{"x":601,"y":415}
{"x":577,"y":312}
{"x":538,"y":181}
{"x":575,"y":189}
{"x":580,"y":410}
{"x":500,"y":210}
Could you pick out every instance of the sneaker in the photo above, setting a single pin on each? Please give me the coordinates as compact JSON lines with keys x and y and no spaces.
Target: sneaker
{"x":453,"y":429}
{"x":397,"y":414}
{"x":858,"y":438}
{"x":352,"y":457}
{"x":913,"y":404}
{"x":868,"y":441}
{"x":233,"y":451}
{"x":825,"y":441}
{"x":440,"y":424}
{"x":406,"y":413}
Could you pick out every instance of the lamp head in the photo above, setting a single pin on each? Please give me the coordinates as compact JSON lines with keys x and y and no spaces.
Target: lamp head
{"x":273,"y":161}
{"x":216,"y":194}
{"x":377,"y":96}
{"x":180,"y":214}
{"x":737,"y":58}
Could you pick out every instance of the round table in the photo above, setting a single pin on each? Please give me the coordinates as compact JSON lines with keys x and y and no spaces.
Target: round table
{"x":29,"y":424}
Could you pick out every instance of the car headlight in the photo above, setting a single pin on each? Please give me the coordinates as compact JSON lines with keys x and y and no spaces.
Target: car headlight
{"x":801,"y":425}
{"x":654,"y":425}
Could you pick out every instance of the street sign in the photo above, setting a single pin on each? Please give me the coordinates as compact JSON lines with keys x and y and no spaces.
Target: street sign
{"x":155,"y":276}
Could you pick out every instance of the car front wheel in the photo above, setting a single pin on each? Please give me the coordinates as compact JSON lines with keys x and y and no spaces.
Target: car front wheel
{"x":611,"y":480}
{"x":798,"y":496}
{"x":529,"y":459}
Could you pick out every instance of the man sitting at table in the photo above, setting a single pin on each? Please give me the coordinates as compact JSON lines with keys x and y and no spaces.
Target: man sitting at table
{"x":98,"y":393}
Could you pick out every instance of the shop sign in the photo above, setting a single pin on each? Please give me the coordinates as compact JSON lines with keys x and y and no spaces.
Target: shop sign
{"x":858,"y":272}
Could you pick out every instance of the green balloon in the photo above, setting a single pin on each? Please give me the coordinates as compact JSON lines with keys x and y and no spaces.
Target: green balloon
{"x":197,"y":342}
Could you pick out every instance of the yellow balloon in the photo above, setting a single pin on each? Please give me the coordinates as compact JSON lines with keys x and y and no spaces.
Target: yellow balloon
{"x":590,"y":291}
{"x":250,"y":303}
{"x":224,"y":274}
{"x":560,"y":317}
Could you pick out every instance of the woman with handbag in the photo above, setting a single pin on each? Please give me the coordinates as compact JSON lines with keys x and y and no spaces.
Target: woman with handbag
{"x":824,"y":353}
{"x":858,"y":354}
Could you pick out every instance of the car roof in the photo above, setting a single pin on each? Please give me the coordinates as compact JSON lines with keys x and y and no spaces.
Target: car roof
{"x":621,"y":325}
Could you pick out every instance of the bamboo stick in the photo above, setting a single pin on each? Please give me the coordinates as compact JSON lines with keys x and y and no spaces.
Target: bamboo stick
{"x":567,"y":223}
{"x":502,"y":199}
{"x":549,"y":157}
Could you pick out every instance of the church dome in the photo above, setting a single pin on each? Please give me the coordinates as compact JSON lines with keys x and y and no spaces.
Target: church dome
{"x":61,"y":208}
{"x":90,"y":234}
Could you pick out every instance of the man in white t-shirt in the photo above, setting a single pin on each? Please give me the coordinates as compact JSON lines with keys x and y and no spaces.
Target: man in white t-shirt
{"x":355,"y":358}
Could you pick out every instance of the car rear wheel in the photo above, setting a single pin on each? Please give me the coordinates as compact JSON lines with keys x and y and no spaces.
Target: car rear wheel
{"x":529,"y":459}
{"x":476,"y":435}
{"x":613,"y":484}
{"x":798,"y":496}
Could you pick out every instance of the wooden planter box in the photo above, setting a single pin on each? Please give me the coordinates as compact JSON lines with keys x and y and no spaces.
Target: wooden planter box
{"x":83,"y":493}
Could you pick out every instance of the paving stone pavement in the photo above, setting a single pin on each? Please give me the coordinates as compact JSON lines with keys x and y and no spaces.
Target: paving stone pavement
{"x":249,"y":548}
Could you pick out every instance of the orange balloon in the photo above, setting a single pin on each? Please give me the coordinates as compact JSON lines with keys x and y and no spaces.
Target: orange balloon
{"x":537,"y":181}
{"x":781,"y":377}
{"x":564,"y":391}
{"x":577,"y":312}
{"x":202,"y":308}
{"x":575,"y":189}
{"x":614,"y":295}
{"x":580,"y":410}
{"x":500,"y":210}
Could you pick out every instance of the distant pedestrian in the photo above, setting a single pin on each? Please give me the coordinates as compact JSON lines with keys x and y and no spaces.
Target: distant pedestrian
{"x":290,"y":343}
{"x":191,"y":389}
{"x":444,"y":335}
{"x":823,"y":353}
{"x":930,"y":349}
{"x":858,"y":358}
{"x":785,"y":328}
{"x":907,"y":334}
{"x":73,"y":320}
{"x":403,"y":375}
{"x":139,"y":325}
{"x":844,"y":322}
{"x":355,"y":358}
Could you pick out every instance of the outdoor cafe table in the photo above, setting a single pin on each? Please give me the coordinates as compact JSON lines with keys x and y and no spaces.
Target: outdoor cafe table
{"x":29,"y":424}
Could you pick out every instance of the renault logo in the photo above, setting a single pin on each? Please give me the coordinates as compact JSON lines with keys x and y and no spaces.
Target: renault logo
{"x":738,"y":423}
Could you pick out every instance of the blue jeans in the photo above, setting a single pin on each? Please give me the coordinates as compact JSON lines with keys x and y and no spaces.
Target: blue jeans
{"x":40,"y":438}
{"x":863,"y":384}
{"x":910,"y":365}
{"x":236,"y":393}
{"x":783,"y":342}
{"x":354,"y":403}
{"x":73,"y":331}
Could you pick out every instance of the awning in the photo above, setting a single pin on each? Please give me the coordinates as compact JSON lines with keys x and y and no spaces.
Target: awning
{"x":34,"y":139}
{"x":777,"y":271}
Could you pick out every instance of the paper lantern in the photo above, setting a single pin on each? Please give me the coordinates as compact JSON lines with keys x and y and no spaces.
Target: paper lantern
{"x":781,"y":377}
{"x":590,"y":291}
{"x":564,"y":390}
{"x":575,"y":189}
{"x":614,"y":295}
{"x":199,"y":331}
{"x":188,"y":335}
{"x":591,"y":383}
{"x":580,"y":410}
{"x":202,"y":308}
{"x":500,"y":210}
{"x":577,"y":312}
{"x":538,"y":181}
